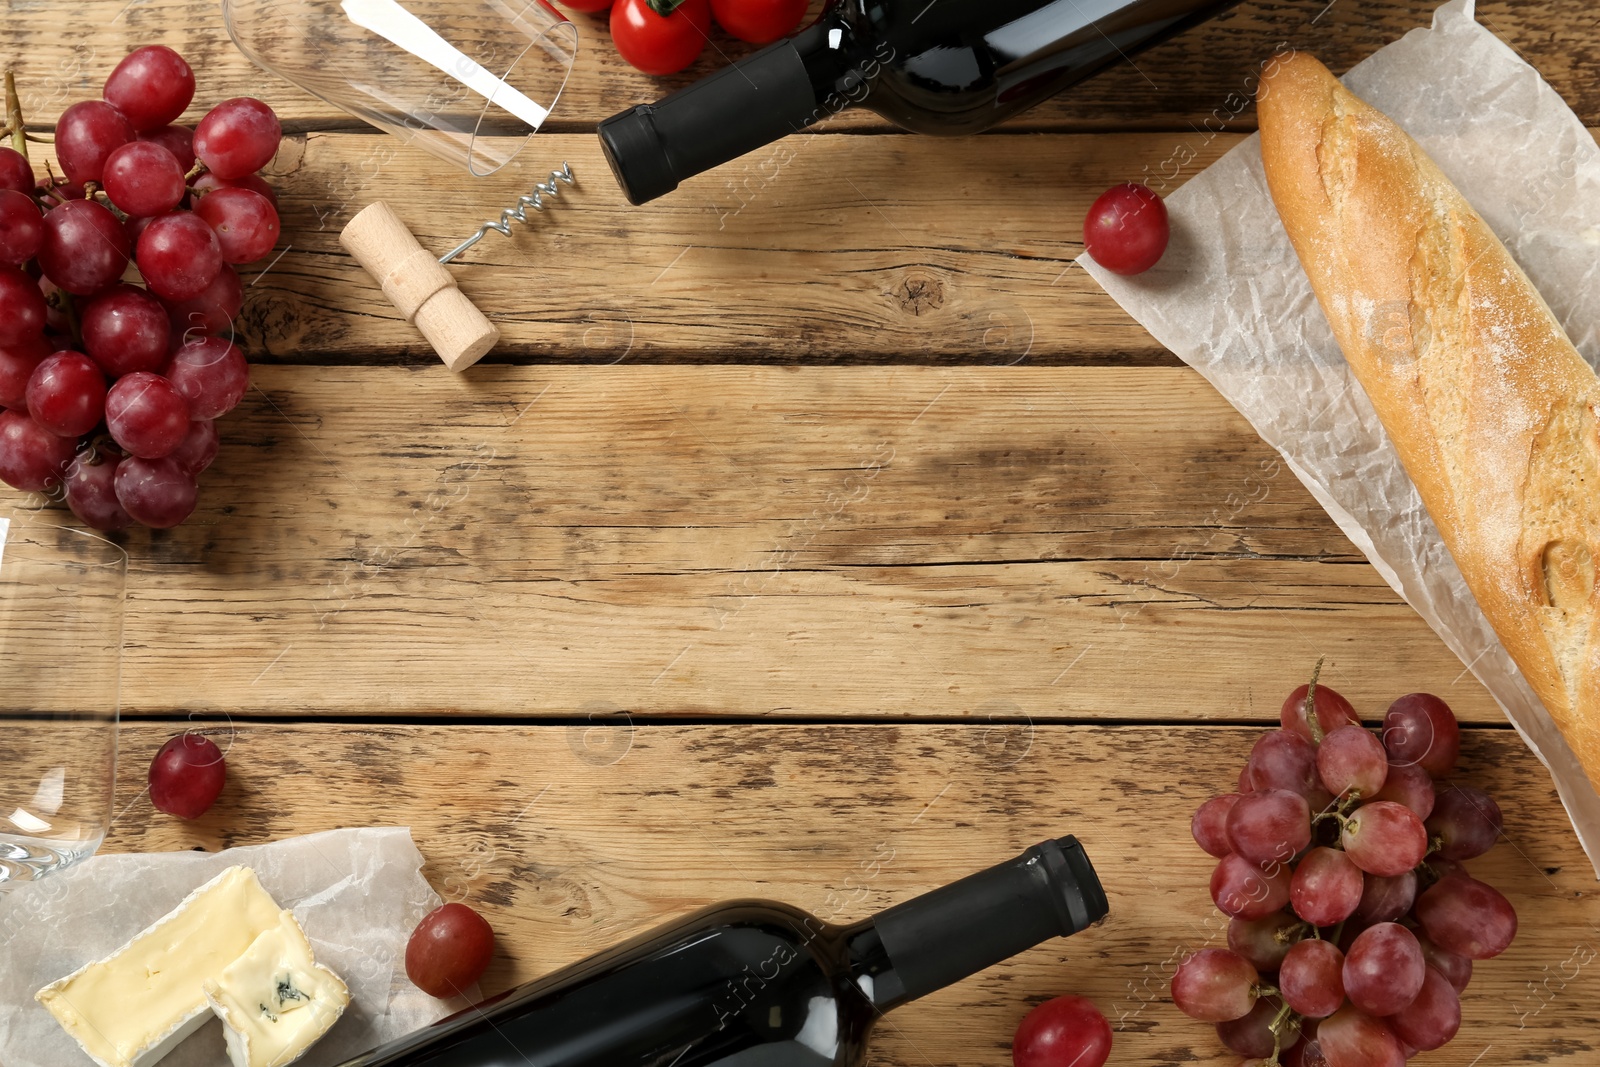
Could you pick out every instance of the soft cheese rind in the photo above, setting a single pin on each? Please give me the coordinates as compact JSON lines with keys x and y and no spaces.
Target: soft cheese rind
{"x":275,"y":1000}
{"x":136,"y":1005}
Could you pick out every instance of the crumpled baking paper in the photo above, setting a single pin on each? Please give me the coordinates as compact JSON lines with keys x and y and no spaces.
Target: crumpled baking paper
{"x":1231,"y":300}
{"x":358,"y":893}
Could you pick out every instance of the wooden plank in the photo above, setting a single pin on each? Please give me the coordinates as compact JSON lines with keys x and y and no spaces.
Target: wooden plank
{"x":737,"y":541}
{"x":567,"y":853}
{"x":1182,"y":84}
{"x":830,"y":250}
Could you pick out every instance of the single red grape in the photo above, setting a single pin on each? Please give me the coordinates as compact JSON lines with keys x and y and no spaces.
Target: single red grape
{"x":1383,"y":969}
{"x":237,"y":137}
{"x":1457,"y":970}
{"x":1264,"y":942}
{"x":22,"y":308}
{"x":1466,"y":917}
{"x":245,"y":222}
{"x":16,"y":173}
{"x":152,"y":86}
{"x":1252,"y":1035}
{"x":67,"y":394}
{"x":1269,"y":825}
{"x":1431,"y":1019}
{"x":1384,"y":900}
{"x":17,"y":363}
{"x":1312,"y":978}
{"x":21,"y":228}
{"x":1384,"y":838}
{"x":1351,"y":760}
{"x":85,"y":248}
{"x":254,"y":182}
{"x":1215,"y":985}
{"x":1420,"y":728}
{"x":144,"y":179}
{"x":1210,"y":825}
{"x":1281,"y":759}
{"x":199,"y":448}
{"x":91,"y":492}
{"x":31,"y":458}
{"x":1333,"y":711}
{"x":179,"y":256}
{"x":1325,"y":888}
{"x":156,"y":492}
{"x":1408,"y":784}
{"x":1351,"y":1038}
{"x":1126,"y":230}
{"x":1466,"y":821}
{"x":449,"y":950}
{"x":187,"y":775}
{"x":212,"y":374}
{"x":211,"y":312}
{"x":86,"y":133}
{"x":179,"y":140}
{"x":1242,"y":890}
{"x":146,"y":416}
{"x":125,"y":330}
{"x":1061,"y":1032}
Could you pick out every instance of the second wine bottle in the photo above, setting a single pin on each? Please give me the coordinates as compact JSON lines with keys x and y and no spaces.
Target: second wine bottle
{"x":757,"y":984}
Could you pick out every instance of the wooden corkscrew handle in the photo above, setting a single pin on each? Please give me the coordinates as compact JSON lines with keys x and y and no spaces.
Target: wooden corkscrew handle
{"x":419,"y":286}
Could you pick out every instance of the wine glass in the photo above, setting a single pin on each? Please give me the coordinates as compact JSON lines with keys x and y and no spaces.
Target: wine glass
{"x":61,"y":606}
{"x":468,"y":80}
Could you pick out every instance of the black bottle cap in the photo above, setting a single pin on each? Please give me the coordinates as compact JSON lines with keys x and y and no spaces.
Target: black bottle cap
{"x":653,"y":147}
{"x":636,"y":154}
{"x":1051,"y":890}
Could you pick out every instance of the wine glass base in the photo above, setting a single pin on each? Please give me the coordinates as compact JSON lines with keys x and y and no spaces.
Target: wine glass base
{"x":28,"y":859}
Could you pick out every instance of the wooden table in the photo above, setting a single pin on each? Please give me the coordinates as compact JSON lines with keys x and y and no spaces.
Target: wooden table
{"x":813,"y":515}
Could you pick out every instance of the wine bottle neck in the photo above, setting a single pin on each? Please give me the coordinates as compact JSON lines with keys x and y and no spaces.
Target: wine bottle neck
{"x":941,"y":937}
{"x":779,"y":90}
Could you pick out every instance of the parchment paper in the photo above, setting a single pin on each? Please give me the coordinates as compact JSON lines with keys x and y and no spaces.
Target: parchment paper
{"x":358,"y":893}
{"x":1231,"y":300}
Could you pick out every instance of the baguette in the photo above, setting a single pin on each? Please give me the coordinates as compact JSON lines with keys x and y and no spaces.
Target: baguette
{"x":1492,"y":410}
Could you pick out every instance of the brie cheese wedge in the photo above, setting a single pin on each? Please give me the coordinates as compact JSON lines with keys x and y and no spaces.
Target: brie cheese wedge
{"x":135,"y":1006}
{"x":275,"y":1000}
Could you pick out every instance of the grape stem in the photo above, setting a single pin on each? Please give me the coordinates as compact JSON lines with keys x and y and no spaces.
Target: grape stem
{"x":1311,"y":702}
{"x":19,"y":134}
{"x":1285,"y":1013}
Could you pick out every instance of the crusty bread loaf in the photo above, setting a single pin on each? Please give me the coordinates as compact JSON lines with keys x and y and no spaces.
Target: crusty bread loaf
{"x":1491,"y":409}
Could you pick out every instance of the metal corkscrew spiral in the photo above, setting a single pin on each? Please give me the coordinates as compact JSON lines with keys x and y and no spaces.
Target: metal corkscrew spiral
{"x":519,"y":213}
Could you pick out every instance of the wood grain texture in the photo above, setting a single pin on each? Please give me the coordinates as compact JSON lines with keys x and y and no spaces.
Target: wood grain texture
{"x":569,"y":848}
{"x":1060,"y":543}
{"x":891,"y":249}
{"x":821,"y":249}
{"x":1185,"y":83}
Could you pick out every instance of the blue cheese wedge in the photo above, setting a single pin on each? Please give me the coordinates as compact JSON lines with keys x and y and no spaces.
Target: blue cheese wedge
{"x":136,"y":1005}
{"x":275,"y":1000}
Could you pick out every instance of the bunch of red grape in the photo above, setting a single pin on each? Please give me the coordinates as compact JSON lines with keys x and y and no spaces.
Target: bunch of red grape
{"x":1353,"y":924}
{"x":109,"y":388}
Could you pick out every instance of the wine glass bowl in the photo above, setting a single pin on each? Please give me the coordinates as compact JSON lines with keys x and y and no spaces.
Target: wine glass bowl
{"x":61,"y":610}
{"x":468,"y":80}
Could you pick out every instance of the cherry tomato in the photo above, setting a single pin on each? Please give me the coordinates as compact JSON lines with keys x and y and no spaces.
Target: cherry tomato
{"x":1064,"y":1032}
{"x":449,"y":950}
{"x":1126,"y":229}
{"x":586,"y":5}
{"x":759,"y":21}
{"x":657,"y":44}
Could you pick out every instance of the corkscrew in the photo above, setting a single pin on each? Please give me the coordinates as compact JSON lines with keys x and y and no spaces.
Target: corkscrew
{"x":519,"y":213}
{"x":469,"y":80}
